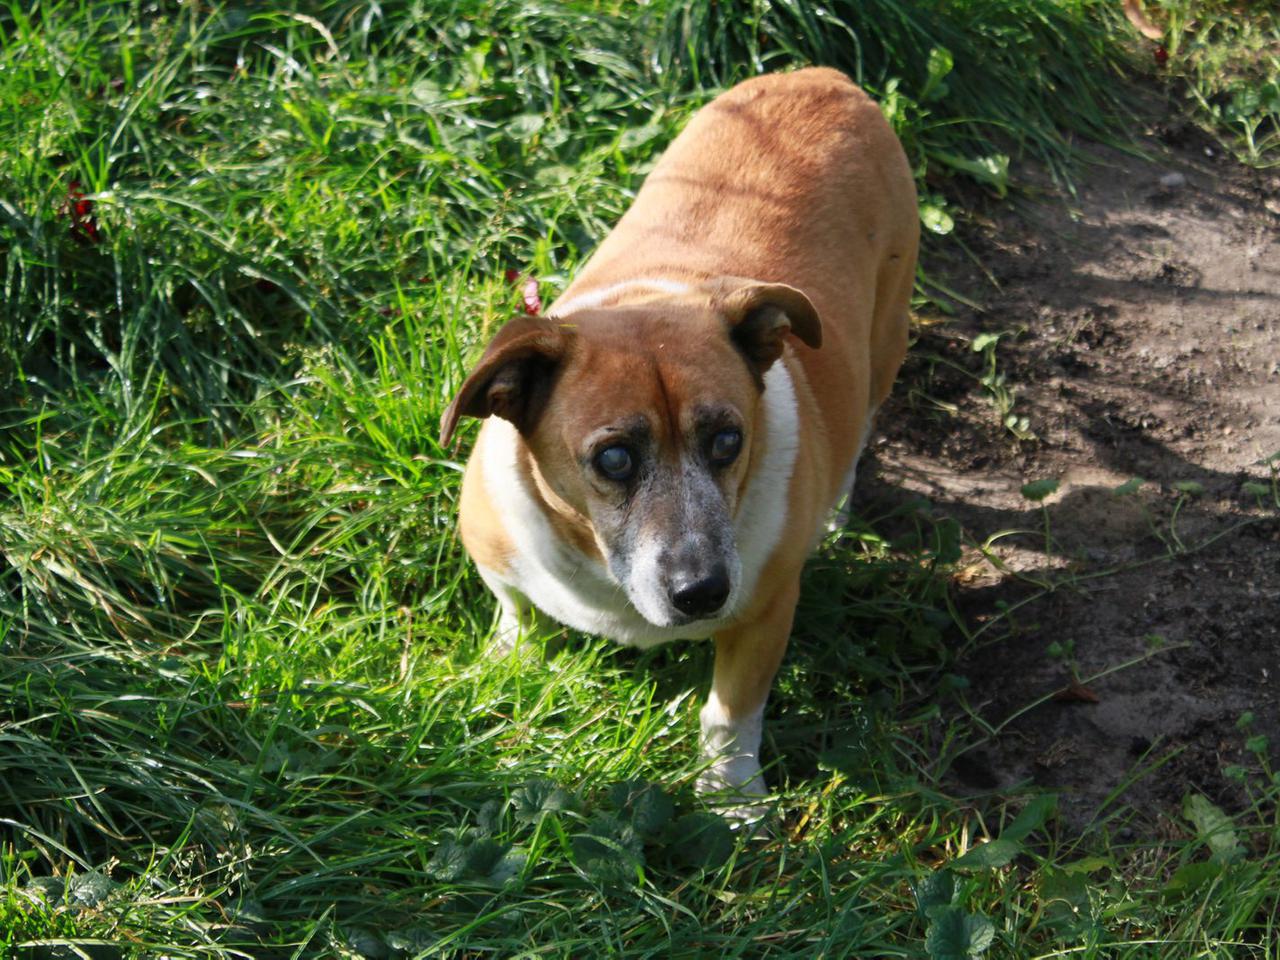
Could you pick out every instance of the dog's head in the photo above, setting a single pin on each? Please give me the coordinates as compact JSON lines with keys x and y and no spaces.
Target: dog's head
{"x":643,"y":423}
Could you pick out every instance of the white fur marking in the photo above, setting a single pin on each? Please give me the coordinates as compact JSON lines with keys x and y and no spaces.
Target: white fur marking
{"x":595,"y":298}
{"x":733,"y":746}
{"x":762,"y":515}
{"x":643,"y":577}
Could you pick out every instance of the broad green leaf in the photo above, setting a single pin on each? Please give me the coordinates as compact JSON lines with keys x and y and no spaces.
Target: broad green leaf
{"x":935,"y":218}
{"x":489,"y":818}
{"x":91,"y":888}
{"x":1132,"y":485}
{"x":992,"y":170}
{"x":538,"y":797}
{"x":609,"y":851}
{"x":1071,"y":887}
{"x":506,"y":868}
{"x":935,"y":890}
{"x":483,"y":855}
{"x":523,"y":126}
{"x":1065,"y":895}
{"x":994,"y":853}
{"x":466,"y":855}
{"x":413,"y":941}
{"x":702,"y":840}
{"x":49,"y":888}
{"x":1032,"y":817}
{"x":939,"y":64}
{"x":609,"y":836}
{"x":449,"y":862}
{"x":635,"y":137}
{"x":984,"y":340}
{"x":1192,"y":876}
{"x":954,"y":934}
{"x":554,"y":175}
{"x":427,"y":91}
{"x":1087,"y":865}
{"x":1244,"y":103}
{"x":648,"y":808}
{"x":367,"y":944}
{"x":1037,"y":490}
{"x":1213,"y":827}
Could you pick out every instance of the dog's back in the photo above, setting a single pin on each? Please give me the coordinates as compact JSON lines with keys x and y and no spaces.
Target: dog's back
{"x":793,"y":178}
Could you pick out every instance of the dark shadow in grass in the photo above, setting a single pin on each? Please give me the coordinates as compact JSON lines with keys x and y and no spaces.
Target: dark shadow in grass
{"x":295,"y":816}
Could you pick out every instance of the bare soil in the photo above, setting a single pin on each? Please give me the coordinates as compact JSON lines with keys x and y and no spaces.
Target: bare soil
{"x":1141,"y":322}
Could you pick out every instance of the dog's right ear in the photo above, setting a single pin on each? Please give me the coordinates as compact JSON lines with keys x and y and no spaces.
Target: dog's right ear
{"x":512,"y":379}
{"x":761,"y":315}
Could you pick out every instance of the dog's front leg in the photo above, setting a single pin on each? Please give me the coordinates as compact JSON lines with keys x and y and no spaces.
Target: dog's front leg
{"x":747,"y":657}
{"x":519,"y":625}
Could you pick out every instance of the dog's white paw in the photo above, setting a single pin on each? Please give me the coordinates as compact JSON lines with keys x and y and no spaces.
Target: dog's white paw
{"x":517,"y":635}
{"x":737,"y":775}
{"x":735,"y":789}
{"x":506,"y":637}
{"x":732,"y":784}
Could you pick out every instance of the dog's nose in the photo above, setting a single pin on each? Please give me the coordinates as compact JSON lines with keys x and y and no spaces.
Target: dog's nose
{"x":701,"y":597}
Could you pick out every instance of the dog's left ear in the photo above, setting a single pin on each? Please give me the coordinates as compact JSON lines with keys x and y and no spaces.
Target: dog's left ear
{"x":760,"y":315}
{"x":512,"y":379}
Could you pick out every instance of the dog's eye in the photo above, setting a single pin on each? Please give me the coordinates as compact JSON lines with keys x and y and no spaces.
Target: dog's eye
{"x":616,"y":463}
{"x":725,"y":446}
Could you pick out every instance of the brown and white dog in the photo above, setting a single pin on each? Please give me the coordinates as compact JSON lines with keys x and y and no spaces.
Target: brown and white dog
{"x":663,"y":448}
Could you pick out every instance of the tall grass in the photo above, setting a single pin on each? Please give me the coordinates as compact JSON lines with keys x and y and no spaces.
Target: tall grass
{"x":243,"y":707}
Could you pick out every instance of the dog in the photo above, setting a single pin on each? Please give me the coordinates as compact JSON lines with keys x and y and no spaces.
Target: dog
{"x":662,"y":450}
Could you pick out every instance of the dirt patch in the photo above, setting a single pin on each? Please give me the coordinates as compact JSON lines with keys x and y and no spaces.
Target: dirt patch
{"x":1140,"y":323}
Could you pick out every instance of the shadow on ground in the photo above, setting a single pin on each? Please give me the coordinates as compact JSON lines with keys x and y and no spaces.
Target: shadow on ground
{"x":1140,"y":326}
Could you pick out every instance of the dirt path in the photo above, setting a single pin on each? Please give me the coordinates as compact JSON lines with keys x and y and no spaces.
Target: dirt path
{"x":1142,"y":339}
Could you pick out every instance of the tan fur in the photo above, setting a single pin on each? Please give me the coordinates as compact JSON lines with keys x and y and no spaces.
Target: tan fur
{"x":791,"y":179}
{"x":480,"y":524}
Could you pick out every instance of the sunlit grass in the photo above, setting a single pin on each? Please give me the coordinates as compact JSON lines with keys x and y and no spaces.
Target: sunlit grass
{"x":244,"y":709}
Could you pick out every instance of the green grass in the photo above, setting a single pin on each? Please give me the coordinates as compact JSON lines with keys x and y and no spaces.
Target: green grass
{"x":244,"y":708}
{"x":1228,"y":57}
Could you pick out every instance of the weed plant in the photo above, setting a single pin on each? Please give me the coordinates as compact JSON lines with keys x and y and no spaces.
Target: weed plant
{"x":246,"y":254}
{"x":1228,"y":56}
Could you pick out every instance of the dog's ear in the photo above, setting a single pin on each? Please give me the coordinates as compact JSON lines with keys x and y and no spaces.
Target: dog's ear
{"x":760,"y":315}
{"x":512,"y":379}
